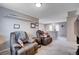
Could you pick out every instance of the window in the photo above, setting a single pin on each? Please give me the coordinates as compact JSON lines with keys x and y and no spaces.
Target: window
{"x":57,"y":27}
{"x":50,"y":28}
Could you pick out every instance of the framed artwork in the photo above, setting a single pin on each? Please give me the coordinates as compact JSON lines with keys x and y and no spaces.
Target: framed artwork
{"x":37,"y":25}
{"x":16,"y":26}
{"x":33,"y":25}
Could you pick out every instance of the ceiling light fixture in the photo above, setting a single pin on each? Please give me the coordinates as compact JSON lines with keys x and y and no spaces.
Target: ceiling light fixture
{"x":38,"y":4}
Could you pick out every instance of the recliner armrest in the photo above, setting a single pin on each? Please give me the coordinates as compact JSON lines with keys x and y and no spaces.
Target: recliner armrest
{"x":38,"y":40}
{"x":16,"y":46}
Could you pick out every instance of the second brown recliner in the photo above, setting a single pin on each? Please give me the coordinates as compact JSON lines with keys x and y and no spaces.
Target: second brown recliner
{"x":42,"y":39}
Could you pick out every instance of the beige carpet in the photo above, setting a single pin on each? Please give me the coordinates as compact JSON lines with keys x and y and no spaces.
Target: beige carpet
{"x":57,"y":47}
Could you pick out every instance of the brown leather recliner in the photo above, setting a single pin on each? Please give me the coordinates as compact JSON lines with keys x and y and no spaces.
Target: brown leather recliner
{"x":29,"y":46}
{"x":42,"y":39}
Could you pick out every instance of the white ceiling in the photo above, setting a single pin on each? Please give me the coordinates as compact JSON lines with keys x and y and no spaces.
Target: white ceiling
{"x":47,"y":13}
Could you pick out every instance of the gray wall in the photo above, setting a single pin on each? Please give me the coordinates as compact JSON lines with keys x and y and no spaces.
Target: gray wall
{"x":7,"y":25}
{"x":41,"y":26}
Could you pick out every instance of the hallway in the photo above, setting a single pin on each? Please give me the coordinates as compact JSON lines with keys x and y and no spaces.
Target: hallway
{"x":57,"y":47}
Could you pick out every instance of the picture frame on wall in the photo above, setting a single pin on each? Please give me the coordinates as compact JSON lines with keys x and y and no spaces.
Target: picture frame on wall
{"x":16,"y":26}
{"x":33,"y":25}
{"x":37,"y":25}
